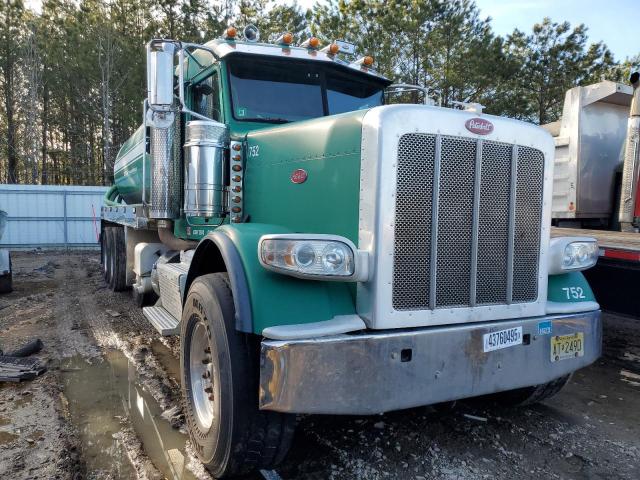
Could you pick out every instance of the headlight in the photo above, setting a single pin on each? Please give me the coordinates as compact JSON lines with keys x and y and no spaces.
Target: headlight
{"x":326,"y":257}
{"x":568,"y":254}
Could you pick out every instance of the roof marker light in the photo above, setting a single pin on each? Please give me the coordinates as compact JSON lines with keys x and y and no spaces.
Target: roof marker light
{"x":285,"y":39}
{"x":363,"y":63}
{"x":331,"y":49}
{"x":311,"y":43}
{"x":230,"y":33}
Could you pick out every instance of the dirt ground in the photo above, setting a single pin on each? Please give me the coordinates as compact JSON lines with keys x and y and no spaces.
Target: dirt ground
{"x":109,"y":407}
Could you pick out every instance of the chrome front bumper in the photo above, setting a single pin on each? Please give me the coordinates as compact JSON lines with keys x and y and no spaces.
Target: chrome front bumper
{"x":375,"y":372}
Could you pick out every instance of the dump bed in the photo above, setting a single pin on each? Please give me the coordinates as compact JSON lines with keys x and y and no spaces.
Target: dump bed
{"x":589,"y":140}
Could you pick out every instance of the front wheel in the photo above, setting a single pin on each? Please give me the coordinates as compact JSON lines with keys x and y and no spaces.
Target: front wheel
{"x":219,"y":370}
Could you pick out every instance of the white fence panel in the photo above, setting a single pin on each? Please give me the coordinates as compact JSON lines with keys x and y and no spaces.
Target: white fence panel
{"x":51,"y":216}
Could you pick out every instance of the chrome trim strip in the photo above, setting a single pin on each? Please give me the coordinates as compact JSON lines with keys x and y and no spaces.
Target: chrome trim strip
{"x":434,"y":223}
{"x":571,"y":307}
{"x":337,"y":325}
{"x":475,"y":225}
{"x":512,"y":222}
{"x":221,"y":48}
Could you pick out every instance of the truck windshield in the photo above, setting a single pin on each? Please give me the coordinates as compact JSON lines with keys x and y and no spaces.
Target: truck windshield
{"x":285,"y":91}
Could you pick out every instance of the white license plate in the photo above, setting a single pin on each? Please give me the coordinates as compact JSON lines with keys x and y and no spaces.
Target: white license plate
{"x":502,"y":339}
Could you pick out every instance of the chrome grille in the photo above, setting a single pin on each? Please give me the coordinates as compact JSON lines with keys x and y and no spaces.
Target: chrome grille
{"x":413,"y":220}
{"x":455,"y":211}
{"x":472,"y":237}
{"x":527,"y":224}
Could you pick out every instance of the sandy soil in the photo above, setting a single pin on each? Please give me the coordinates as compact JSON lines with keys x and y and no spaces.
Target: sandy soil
{"x":590,"y":430}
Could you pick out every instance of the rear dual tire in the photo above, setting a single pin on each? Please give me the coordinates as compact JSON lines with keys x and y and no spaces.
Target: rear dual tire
{"x":219,"y":370}
{"x":114,"y":257}
{"x":6,"y":281}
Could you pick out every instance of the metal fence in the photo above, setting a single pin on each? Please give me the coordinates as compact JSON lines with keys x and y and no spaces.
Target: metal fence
{"x":51,"y":216}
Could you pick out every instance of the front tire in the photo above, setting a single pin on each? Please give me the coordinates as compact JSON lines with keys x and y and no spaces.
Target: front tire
{"x":530,"y":395}
{"x":219,"y":370}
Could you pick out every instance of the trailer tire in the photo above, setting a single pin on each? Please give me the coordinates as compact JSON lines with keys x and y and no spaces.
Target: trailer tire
{"x":219,"y":371}
{"x":118,"y":260}
{"x":6,"y":281}
{"x":106,"y":247}
{"x":530,"y":395}
{"x":103,"y":252}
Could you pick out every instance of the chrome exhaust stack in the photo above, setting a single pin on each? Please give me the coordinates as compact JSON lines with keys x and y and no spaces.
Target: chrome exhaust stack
{"x":631,"y":166}
{"x":166,"y":174}
{"x":163,"y":118}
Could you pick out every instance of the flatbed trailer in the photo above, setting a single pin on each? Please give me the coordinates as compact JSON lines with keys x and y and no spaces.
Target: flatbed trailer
{"x":616,"y":276}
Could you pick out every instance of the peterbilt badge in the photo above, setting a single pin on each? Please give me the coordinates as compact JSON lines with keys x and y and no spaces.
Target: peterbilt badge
{"x":479,"y":126}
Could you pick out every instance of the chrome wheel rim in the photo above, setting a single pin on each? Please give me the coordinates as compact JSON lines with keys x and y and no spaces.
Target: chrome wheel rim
{"x":201,"y":376}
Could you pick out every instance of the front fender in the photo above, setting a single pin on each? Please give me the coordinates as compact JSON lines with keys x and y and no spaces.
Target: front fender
{"x":570,"y":293}
{"x":263,"y":298}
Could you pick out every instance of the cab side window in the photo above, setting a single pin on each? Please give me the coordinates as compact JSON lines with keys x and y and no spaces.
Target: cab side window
{"x":206,"y":97}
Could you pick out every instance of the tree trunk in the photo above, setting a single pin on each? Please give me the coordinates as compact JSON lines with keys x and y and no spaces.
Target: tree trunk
{"x":9,"y":105}
{"x":45,"y":111}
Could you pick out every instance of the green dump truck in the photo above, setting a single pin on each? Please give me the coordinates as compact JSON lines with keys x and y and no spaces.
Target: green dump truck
{"x":319,"y":250}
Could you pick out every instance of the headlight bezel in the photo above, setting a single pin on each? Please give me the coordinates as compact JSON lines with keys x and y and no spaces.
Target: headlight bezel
{"x":559,"y":249}
{"x":320,"y":242}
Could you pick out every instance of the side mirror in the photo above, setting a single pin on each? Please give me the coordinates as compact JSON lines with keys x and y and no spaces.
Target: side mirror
{"x":160,"y":69}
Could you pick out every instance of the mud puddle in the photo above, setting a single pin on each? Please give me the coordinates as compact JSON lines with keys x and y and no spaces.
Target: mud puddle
{"x":106,"y":398}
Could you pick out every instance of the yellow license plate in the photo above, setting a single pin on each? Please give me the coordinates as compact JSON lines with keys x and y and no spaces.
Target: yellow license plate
{"x":567,"y":346}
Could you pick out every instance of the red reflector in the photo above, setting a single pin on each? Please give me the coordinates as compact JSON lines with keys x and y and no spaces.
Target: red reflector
{"x":620,"y":254}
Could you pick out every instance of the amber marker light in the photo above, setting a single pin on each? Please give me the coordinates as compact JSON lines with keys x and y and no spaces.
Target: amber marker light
{"x":236,"y":147}
{"x":230,"y":33}
{"x":367,"y":61}
{"x":311,"y":43}
{"x":285,"y":39}
{"x":334,"y":48}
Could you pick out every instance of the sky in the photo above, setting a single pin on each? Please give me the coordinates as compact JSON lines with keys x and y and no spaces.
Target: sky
{"x":615,"y":22}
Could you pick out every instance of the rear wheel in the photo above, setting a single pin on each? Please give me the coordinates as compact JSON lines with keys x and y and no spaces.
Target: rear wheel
{"x":530,"y":395}
{"x":219,"y":370}
{"x":118,"y":259}
{"x":106,"y":249}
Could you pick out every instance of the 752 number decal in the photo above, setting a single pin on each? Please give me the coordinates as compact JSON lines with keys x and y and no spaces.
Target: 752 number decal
{"x":254,"y":150}
{"x":573,"y":293}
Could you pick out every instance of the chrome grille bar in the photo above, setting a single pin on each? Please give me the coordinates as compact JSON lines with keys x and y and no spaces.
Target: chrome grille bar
{"x":512,"y":221}
{"x":475,"y":226}
{"x":434,"y":222}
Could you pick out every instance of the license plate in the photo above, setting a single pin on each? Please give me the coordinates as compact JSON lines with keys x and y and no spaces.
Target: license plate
{"x":567,"y":346}
{"x":502,"y":339}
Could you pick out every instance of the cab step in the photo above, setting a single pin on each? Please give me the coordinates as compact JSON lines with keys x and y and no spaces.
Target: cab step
{"x":162,"y":320}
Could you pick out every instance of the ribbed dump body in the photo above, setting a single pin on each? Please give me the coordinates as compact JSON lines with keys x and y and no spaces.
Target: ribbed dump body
{"x":467,"y":225}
